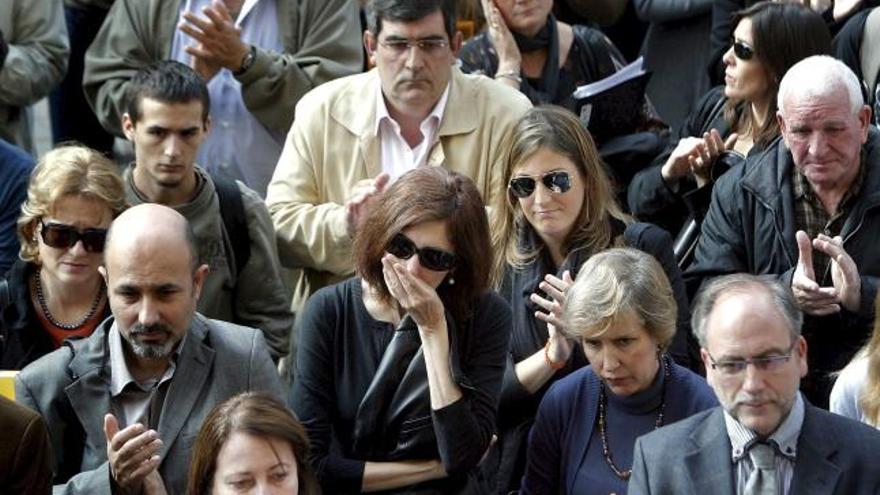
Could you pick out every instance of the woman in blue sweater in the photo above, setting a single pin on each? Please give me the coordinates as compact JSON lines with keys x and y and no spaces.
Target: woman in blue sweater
{"x":622,"y":312}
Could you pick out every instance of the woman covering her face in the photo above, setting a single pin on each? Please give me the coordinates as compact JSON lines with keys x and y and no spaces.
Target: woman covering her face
{"x":55,"y":290}
{"x":251,"y":444}
{"x":559,"y":211}
{"x":621,"y":311}
{"x":733,"y":120}
{"x":399,"y":368}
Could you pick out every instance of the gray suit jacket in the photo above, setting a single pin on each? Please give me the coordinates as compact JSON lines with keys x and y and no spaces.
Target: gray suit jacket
{"x":70,"y":388}
{"x":835,"y":455}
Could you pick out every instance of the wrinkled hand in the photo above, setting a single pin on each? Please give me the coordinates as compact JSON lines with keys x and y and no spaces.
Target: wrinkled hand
{"x":415,"y":297}
{"x":844,"y":273}
{"x":219,"y":39}
{"x":811,"y":298}
{"x":132,"y":453}
{"x":509,"y":56}
{"x":705,"y":154}
{"x":555,"y":287}
{"x":362,"y":198}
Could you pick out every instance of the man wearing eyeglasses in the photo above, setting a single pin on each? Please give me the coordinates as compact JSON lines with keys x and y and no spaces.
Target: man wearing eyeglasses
{"x":765,"y":438}
{"x":805,"y":210}
{"x":352,"y":136}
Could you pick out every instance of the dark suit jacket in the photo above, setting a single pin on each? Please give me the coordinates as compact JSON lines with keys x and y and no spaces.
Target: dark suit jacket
{"x":835,"y":455}
{"x":25,"y":453}
{"x":72,"y":393}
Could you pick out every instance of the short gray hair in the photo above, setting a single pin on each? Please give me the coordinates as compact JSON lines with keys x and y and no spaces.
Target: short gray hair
{"x":820,"y":75}
{"x":613,"y":282}
{"x":744,"y":283}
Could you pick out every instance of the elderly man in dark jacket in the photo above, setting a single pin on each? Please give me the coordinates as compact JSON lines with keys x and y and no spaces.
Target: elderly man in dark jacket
{"x":806,"y":211}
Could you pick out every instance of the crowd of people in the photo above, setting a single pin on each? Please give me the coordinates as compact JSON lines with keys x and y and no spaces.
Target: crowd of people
{"x":269,"y":254}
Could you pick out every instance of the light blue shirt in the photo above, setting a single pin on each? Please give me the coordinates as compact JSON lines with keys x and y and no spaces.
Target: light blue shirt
{"x":239,"y":146}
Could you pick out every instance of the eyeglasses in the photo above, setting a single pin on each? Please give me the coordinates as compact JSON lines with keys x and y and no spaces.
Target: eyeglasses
{"x":742,"y":50}
{"x":769,"y":364}
{"x":558,"y":182}
{"x":429,"y":46}
{"x":430,"y":258}
{"x":62,"y":236}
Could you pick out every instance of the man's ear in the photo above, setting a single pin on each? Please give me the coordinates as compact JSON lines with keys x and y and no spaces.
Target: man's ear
{"x":199,"y":277}
{"x":370,"y":43}
{"x":208,"y":124}
{"x":456,"y":43}
{"x":782,"y":127}
{"x":128,"y":126}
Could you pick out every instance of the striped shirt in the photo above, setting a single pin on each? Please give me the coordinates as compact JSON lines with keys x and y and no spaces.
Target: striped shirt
{"x":785,"y":440}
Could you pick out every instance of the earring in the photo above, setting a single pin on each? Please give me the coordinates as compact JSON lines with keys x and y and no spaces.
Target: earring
{"x":451,"y":280}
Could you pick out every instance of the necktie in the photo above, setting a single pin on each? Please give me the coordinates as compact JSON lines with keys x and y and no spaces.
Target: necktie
{"x":762,"y":480}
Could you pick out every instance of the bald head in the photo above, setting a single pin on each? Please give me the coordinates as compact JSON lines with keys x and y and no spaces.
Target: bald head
{"x":150,"y":228}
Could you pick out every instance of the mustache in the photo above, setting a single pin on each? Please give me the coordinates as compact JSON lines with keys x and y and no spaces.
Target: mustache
{"x":140,"y":328}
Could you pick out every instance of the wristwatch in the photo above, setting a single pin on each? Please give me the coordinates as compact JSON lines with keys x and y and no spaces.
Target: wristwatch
{"x":247,"y":61}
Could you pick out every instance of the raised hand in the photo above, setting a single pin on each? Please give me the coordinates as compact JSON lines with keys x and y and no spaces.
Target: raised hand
{"x":811,"y":298}
{"x":705,"y":154}
{"x":413,"y":295}
{"x":219,"y":39}
{"x":509,"y":56}
{"x":362,"y":198}
{"x":844,"y":273}
{"x":555,"y":287}
{"x":133,"y":453}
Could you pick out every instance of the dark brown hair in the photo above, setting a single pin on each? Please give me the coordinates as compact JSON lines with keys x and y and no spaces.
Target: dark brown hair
{"x":254,"y":413}
{"x":783,"y":33}
{"x":422,"y":195}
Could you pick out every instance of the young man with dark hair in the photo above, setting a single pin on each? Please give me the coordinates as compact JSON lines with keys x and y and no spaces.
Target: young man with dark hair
{"x":167,"y":120}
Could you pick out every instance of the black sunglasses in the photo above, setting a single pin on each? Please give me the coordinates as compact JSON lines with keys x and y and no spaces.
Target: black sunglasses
{"x":62,"y":236}
{"x":430,"y":258}
{"x":523,"y":187}
{"x":742,"y":50}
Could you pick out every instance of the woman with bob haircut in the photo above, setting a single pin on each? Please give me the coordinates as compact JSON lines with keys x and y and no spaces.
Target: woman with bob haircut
{"x":399,"y":368}
{"x":856,"y":393}
{"x":54,"y":291}
{"x":251,"y":443}
{"x":559,"y":211}
{"x":733,"y":120}
{"x":622,"y":312}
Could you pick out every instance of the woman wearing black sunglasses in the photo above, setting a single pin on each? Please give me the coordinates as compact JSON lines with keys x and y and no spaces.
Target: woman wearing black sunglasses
{"x":54,"y":291}
{"x":731,"y":121}
{"x":399,"y":369}
{"x":559,"y":211}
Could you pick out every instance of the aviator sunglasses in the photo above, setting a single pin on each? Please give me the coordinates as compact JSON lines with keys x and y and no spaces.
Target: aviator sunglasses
{"x":62,"y":236}
{"x":742,"y":50}
{"x":430,"y":258}
{"x":558,"y":182}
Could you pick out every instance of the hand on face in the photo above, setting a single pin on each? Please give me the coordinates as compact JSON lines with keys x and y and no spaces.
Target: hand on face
{"x":219,"y":39}
{"x":509,"y":56}
{"x":554,"y":287}
{"x":846,"y":289}
{"x":133,"y":453}
{"x":415,"y":296}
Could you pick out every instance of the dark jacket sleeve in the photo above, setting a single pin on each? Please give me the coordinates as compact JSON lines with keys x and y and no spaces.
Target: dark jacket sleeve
{"x":465,"y":427}
{"x":31,"y":466}
{"x":313,"y":397}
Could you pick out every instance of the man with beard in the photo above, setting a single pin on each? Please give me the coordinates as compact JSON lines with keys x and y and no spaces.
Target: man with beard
{"x":765,"y":437}
{"x":124,"y":405}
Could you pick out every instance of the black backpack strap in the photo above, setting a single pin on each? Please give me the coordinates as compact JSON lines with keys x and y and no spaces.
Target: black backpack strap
{"x":234,"y":219}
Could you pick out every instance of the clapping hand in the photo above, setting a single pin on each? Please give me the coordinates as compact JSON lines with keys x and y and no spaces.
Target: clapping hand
{"x":846,"y":289}
{"x":555,"y":287}
{"x":133,"y":453}
{"x":219,"y":39}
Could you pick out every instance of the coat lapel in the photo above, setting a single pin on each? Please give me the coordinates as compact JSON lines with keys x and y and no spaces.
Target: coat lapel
{"x":193,"y":367}
{"x":814,"y":473}
{"x":89,"y":393}
{"x":708,"y":465}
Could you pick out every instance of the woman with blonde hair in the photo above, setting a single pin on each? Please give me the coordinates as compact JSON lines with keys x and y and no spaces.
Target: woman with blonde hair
{"x":54,"y":291}
{"x":559,"y":211}
{"x":856,"y":393}
{"x":621,"y":311}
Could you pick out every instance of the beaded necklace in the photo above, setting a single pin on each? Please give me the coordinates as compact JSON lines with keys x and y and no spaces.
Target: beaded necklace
{"x":38,"y":286}
{"x":624,"y":474}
